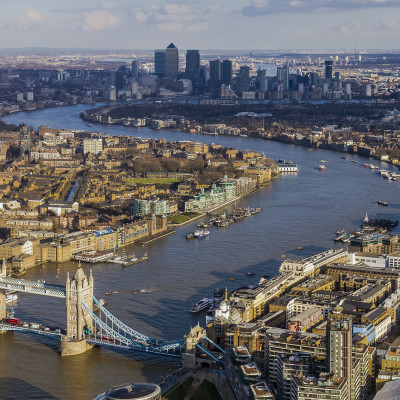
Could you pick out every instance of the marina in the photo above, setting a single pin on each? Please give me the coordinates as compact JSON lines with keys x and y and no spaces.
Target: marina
{"x":226,"y":219}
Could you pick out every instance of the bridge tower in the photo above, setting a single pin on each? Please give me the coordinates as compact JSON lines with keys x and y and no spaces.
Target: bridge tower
{"x":196,"y":334}
{"x":79,"y":290}
{"x":3,"y":274}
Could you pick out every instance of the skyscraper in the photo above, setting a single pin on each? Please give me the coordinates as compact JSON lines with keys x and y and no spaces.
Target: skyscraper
{"x":227,"y":72}
{"x":192,"y":71}
{"x":283,"y":76}
{"x":243,"y":79}
{"x":328,"y":69}
{"x":171,"y":62}
{"x":135,"y":70}
{"x":159,"y":62}
{"x":192,"y":60}
{"x":215,"y":70}
{"x":339,"y":336}
{"x":119,"y":80}
{"x":214,"y":83}
{"x":261,"y":80}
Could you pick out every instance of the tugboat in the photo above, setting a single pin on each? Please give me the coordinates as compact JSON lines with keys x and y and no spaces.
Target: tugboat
{"x":382,"y":202}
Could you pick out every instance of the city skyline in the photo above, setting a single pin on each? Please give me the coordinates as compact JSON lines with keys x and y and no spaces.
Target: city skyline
{"x":269,"y":24}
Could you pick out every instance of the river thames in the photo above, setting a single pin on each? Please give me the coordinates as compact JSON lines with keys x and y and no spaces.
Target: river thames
{"x":303,"y":209}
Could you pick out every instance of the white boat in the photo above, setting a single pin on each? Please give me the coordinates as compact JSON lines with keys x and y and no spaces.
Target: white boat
{"x":201,"y":233}
{"x":103,"y":302}
{"x":10,"y":298}
{"x":201,"y":305}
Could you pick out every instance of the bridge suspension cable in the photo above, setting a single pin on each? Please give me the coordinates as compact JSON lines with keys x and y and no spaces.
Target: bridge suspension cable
{"x":114,"y":333}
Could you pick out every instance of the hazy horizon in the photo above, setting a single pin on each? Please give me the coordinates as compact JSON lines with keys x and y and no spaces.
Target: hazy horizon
{"x":351,"y":25}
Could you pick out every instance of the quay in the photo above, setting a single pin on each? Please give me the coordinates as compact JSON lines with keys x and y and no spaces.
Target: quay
{"x":130,"y":260}
{"x":93,"y":256}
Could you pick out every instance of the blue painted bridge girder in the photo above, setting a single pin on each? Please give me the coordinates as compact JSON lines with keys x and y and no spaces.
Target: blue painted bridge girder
{"x":113,"y":333}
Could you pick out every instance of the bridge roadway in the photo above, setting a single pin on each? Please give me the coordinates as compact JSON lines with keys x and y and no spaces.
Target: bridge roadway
{"x":31,"y":327}
{"x":21,"y":285}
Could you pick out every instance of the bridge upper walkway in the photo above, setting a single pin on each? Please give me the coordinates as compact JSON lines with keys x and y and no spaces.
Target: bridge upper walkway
{"x":21,"y":285}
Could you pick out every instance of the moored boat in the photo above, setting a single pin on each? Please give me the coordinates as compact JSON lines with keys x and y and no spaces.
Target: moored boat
{"x":340,"y":237}
{"x":201,"y":233}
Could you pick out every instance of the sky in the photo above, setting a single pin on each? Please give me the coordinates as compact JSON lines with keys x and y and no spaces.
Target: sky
{"x":202,"y":24}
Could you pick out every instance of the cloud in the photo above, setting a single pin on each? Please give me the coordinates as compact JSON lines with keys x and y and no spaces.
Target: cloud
{"x":30,"y":19}
{"x":175,"y":17}
{"x":97,"y":20}
{"x":267,"y":7}
{"x":141,"y":16}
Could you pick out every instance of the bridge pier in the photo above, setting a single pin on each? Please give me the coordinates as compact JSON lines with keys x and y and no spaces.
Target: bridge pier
{"x":3,"y":307}
{"x":74,"y":347}
{"x":2,"y":304}
{"x":79,"y":290}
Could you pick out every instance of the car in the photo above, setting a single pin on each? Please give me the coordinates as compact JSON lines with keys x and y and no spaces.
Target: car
{"x":14,"y":321}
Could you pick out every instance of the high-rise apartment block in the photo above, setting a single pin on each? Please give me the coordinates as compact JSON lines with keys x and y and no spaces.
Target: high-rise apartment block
{"x":24,"y":139}
{"x":339,"y":335}
{"x":94,"y":146}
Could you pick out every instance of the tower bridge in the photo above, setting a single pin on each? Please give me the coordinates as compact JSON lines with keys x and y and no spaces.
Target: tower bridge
{"x":85,"y":328}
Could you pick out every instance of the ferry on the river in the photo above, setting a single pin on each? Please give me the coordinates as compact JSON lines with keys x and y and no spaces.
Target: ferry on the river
{"x":11,"y":297}
{"x":201,"y":305}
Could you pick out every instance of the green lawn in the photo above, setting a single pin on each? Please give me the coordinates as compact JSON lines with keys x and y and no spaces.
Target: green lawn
{"x":181,"y":218}
{"x":206,"y":391}
{"x":180,"y":391}
{"x":149,"y":181}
